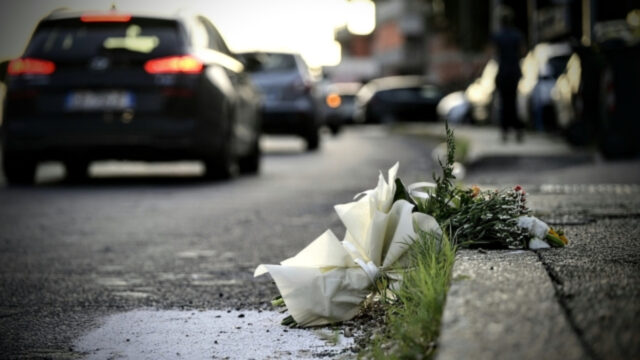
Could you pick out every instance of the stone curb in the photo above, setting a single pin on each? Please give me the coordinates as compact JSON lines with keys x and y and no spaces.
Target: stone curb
{"x":502,"y":305}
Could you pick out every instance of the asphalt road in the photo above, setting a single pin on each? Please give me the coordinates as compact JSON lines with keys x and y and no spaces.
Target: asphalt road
{"x":138,"y":236}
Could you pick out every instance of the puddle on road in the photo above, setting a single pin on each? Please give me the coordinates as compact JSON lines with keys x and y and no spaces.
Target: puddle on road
{"x":156,"y":334}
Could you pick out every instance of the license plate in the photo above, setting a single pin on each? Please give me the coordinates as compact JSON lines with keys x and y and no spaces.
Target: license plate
{"x":99,"y":100}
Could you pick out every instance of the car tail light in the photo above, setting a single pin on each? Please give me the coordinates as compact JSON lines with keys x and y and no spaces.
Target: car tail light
{"x":333,"y":100}
{"x":31,"y":66}
{"x":106,"y":17}
{"x":181,"y":64}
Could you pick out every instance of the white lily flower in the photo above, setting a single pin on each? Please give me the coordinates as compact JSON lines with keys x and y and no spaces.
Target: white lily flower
{"x":321,"y":284}
{"x":421,"y":190}
{"x":328,"y":280}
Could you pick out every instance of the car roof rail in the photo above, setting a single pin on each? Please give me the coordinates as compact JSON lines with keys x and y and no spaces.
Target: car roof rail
{"x":186,"y":13}
{"x":58,"y":10}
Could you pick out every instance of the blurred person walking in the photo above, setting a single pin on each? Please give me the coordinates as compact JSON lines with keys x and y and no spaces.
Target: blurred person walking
{"x":509,"y":47}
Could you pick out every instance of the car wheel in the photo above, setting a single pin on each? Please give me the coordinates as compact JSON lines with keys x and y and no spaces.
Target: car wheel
{"x":312,"y":139}
{"x":222,"y":165}
{"x":77,"y":170}
{"x":250,"y":164}
{"x":19,"y":170}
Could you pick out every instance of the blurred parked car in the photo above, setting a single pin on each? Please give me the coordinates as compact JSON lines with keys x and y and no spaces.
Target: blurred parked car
{"x":288,"y":90}
{"x":596,"y":97}
{"x":397,"y":98}
{"x":618,"y":54}
{"x":541,"y":67}
{"x":339,"y":103}
{"x":454,"y":108}
{"x":112,"y":85}
{"x":566,"y":96}
{"x":476,"y":103}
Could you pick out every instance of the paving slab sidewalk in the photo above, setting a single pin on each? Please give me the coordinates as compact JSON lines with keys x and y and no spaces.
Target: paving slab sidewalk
{"x":576,"y":302}
{"x":580,"y":302}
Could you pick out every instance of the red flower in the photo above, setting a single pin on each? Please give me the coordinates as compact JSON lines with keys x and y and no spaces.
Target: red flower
{"x":517,"y":188}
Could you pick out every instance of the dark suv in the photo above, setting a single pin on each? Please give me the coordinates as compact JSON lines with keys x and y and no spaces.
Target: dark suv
{"x":112,"y":85}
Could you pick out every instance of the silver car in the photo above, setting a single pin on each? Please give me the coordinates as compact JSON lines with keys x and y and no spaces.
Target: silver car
{"x":288,"y":90}
{"x":541,"y":67}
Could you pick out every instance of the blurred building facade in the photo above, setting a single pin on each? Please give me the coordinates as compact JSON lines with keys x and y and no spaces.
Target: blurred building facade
{"x":399,"y":38}
{"x":357,"y":63}
{"x":447,"y":41}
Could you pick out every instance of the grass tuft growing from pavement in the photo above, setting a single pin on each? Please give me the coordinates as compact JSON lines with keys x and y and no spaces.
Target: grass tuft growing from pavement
{"x":413,"y":318}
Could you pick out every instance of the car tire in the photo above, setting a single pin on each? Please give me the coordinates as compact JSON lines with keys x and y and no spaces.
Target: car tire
{"x":250,"y":164}
{"x":77,"y":170}
{"x":19,"y":170}
{"x":312,"y":139}
{"x":222,"y":165}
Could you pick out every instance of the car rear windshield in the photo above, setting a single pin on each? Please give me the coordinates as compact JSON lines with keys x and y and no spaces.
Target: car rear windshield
{"x":273,"y":62}
{"x":71,"y":39}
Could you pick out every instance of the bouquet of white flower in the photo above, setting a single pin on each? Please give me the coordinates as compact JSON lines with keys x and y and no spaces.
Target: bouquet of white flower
{"x":328,"y":280}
